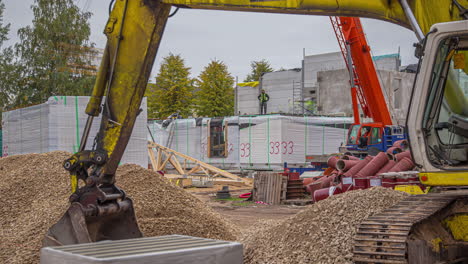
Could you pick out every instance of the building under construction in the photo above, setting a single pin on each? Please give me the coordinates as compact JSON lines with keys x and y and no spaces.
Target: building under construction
{"x":321,"y":87}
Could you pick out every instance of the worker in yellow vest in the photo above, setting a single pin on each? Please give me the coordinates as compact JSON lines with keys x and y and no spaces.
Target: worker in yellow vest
{"x":263,"y":98}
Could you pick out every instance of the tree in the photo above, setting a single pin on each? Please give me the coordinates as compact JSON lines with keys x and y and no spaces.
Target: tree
{"x":54,"y":55}
{"x":4,"y":28}
{"x":215,"y":94}
{"x":173,"y":91}
{"x":5,"y":59}
{"x":258,"y":69}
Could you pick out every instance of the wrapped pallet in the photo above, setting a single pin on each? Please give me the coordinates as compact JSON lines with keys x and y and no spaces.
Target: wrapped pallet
{"x":58,"y":124}
{"x":253,"y":142}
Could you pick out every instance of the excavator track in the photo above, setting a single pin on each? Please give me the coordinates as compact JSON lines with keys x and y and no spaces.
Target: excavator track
{"x":382,"y":238}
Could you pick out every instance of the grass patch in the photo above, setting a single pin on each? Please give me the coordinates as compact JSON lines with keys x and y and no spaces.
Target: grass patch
{"x":243,"y":204}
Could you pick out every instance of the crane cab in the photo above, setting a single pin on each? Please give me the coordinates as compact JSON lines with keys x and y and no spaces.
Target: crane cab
{"x":373,"y":137}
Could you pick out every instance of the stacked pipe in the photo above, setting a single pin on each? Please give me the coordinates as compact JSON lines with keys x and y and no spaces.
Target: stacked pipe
{"x":351,"y":173}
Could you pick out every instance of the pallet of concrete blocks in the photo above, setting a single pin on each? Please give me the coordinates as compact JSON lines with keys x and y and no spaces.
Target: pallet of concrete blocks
{"x":58,"y":125}
{"x":253,"y":142}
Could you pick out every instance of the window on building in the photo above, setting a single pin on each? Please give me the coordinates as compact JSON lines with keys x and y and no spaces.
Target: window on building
{"x":217,"y":139}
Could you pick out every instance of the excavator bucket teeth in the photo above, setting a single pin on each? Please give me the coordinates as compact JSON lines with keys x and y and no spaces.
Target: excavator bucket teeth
{"x":78,"y":226}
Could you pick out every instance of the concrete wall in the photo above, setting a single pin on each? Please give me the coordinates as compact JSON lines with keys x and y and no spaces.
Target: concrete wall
{"x":334,"y":61}
{"x":399,"y":86}
{"x":315,"y":63}
{"x":278,"y":85}
{"x":247,"y":101}
{"x":334,"y":92}
{"x":390,"y":62}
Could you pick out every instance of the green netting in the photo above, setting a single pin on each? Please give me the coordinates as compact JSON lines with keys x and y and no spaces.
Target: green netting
{"x":250,"y":140}
{"x":268,"y":141}
{"x":323,"y":138}
{"x":187,"y":143}
{"x":77,"y":124}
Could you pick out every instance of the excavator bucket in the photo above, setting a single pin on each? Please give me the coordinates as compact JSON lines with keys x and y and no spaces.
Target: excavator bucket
{"x":81,"y":224}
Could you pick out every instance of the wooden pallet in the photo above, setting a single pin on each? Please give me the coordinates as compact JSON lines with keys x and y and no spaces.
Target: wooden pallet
{"x":268,"y":187}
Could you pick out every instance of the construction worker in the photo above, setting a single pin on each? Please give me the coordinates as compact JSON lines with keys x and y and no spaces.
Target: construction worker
{"x":263,"y":98}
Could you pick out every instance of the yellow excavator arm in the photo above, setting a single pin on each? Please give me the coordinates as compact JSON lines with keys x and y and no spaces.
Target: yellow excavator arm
{"x":99,"y":209}
{"x":427,"y":12}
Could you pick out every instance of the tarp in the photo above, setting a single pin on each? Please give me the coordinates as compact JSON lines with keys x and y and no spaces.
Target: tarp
{"x":249,"y":84}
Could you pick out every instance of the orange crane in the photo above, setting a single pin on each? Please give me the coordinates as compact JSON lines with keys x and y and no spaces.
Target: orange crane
{"x":366,"y":91}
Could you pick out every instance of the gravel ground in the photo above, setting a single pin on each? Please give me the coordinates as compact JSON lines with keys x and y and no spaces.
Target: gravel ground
{"x":34,"y":190}
{"x":321,"y":233}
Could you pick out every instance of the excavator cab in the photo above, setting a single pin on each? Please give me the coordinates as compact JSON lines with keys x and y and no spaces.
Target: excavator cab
{"x":440,"y":115}
{"x":433,"y":227}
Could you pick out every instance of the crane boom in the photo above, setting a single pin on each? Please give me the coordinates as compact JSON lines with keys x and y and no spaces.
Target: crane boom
{"x":366,"y":88}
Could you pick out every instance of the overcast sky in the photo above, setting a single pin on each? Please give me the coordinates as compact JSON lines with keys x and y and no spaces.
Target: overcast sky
{"x":237,"y":38}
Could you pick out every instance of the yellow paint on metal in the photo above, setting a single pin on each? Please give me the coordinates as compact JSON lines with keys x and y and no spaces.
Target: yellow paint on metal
{"x":458,"y":226}
{"x":444,"y":178}
{"x":436,"y":244}
{"x":459,"y":61}
{"x":427,"y":12}
{"x":249,"y":84}
{"x":410,"y":189}
{"x":133,"y":31}
{"x":74,"y":183}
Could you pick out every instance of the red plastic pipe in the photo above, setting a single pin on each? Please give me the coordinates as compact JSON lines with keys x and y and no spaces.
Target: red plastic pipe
{"x":386,"y":167}
{"x":324,"y":193}
{"x":332,"y":161}
{"x":403,"y":144}
{"x":374,"y":165}
{"x":344,"y":165}
{"x":394,"y":150}
{"x":245,"y":195}
{"x":405,"y":154}
{"x":350,"y":157}
{"x":403,"y":165}
{"x":356,"y":168}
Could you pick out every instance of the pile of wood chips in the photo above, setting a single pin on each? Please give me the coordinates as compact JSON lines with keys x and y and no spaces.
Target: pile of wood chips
{"x":323,"y":233}
{"x":34,"y":191}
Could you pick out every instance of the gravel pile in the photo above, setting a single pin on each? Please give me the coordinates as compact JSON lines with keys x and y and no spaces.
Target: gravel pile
{"x":322,"y":233}
{"x":34,"y":192}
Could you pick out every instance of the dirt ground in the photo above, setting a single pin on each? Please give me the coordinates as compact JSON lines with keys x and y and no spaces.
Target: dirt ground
{"x":243,"y":214}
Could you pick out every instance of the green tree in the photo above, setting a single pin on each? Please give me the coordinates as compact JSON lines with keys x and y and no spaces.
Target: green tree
{"x":215,"y":93}
{"x":5,"y":60}
{"x":173,"y":91}
{"x":258,"y":68}
{"x":54,"y":55}
{"x":4,"y":28}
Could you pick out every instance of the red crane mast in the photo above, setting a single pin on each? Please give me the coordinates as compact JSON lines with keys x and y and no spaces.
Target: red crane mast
{"x":365,"y":85}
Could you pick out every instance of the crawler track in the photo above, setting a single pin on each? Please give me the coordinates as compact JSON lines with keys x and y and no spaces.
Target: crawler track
{"x":382,"y":238}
